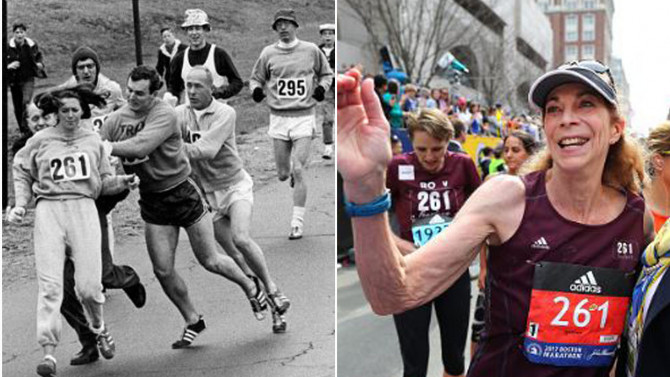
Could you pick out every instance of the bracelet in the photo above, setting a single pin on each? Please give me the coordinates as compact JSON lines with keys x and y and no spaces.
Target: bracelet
{"x":379,"y":205}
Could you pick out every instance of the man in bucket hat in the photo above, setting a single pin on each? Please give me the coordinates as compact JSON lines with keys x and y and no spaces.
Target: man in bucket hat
{"x":227,"y":82}
{"x":295,"y":75}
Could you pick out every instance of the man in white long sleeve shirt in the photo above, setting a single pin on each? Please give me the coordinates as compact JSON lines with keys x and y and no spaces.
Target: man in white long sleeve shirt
{"x":208,"y":127}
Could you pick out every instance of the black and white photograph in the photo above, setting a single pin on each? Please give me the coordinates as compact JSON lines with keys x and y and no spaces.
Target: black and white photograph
{"x":169,"y":188}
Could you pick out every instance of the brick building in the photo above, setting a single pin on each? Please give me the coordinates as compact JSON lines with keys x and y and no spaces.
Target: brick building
{"x":582,"y":29}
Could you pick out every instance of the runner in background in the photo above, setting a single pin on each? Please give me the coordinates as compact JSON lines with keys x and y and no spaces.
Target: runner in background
{"x":657,"y":194}
{"x":166,"y":52}
{"x":517,"y":148}
{"x":86,"y":68}
{"x":227,"y":81}
{"x":428,"y":187}
{"x":295,"y":75}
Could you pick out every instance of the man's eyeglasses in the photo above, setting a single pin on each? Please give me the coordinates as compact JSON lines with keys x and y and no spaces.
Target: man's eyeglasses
{"x":594,"y":66}
{"x":86,"y":66}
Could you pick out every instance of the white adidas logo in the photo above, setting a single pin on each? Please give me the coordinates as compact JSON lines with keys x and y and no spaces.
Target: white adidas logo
{"x":586,"y":284}
{"x":541,"y":243}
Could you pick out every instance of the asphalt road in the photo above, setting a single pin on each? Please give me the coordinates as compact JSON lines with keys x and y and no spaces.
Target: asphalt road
{"x":234,"y":344}
{"x":367,"y":344}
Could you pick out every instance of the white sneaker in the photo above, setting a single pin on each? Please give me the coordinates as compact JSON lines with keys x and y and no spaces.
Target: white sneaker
{"x":328,"y":152}
{"x":296,"y":232}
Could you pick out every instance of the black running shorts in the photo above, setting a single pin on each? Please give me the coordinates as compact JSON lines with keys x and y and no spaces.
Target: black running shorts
{"x":182,"y":205}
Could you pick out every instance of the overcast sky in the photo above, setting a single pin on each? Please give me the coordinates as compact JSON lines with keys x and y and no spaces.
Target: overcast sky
{"x":642,"y":40}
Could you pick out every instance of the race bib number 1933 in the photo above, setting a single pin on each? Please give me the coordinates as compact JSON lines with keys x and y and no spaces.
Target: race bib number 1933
{"x":576,"y":315}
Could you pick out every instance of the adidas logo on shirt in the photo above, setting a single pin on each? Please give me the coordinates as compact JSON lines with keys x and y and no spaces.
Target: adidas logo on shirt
{"x":586,"y":284}
{"x":541,"y":243}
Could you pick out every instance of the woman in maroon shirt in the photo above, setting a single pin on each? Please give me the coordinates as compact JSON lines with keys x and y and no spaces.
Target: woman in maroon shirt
{"x":564,"y":240}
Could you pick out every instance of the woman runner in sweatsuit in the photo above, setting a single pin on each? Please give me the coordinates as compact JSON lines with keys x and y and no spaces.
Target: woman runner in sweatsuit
{"x":65,"y":168}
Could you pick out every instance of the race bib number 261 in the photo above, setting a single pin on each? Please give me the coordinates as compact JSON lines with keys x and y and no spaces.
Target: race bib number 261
{"x":576,"y":315}
{"x":292,"y":88}
{"x":71,"y":167}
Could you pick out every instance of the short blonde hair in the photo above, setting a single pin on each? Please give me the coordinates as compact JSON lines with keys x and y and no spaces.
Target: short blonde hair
{"x":432,"y":121}
{"x":658,"y":141}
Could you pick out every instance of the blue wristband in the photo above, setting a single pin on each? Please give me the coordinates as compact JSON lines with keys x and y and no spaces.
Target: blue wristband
{"x":381,"y":204}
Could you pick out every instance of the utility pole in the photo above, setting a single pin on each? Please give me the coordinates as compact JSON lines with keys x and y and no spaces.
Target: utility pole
{"x":5,"y":125}
{"x":138,"y":34}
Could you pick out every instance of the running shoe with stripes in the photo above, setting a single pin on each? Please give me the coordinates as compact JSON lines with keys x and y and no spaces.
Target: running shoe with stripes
{"x":259,"y":303}
{"x":279,"y":302}
{"x":190,"y":332}
{"x":278,"y":323}
{"x":106,"y":343}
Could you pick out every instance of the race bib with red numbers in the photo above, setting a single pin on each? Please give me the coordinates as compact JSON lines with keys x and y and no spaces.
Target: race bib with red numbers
{"x":576,"y":314}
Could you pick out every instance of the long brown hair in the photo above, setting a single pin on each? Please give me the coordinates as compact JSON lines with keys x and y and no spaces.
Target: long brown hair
{"x":624,"y":166}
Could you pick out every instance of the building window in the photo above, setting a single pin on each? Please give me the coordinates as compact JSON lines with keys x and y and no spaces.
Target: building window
{"x":570,"y":4}
{"x":588,"y":27}
{"x":588,"y":52}
{"x":571,"y":32}
{"x":571,"y":53}
{"x":557,"y":3}
{"x":589,"y":4}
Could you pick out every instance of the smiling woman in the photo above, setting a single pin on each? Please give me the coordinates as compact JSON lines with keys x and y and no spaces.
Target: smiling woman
{"x":575,"y":221}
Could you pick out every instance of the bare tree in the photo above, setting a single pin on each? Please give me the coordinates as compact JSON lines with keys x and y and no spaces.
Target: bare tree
{"x":495,"y":80}
{"x":417,"y":32}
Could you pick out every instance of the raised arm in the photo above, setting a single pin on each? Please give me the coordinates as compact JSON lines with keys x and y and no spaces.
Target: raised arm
{"x":393,"y":283}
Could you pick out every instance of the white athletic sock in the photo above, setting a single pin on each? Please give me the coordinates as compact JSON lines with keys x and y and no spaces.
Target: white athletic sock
{"x":98,"y":330}
{"x":298,"y":214}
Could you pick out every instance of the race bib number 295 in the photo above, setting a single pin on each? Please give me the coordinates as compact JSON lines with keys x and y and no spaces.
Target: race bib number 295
{"x":292,"y":88}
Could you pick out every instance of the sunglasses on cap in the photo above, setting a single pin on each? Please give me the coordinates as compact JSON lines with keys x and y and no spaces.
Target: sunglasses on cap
{"x":593,"y":66}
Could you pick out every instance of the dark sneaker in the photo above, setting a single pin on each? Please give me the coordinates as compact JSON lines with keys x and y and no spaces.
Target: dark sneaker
{"x":47,"y":367}
{"x":106,"y":344}
{"x":87,"y":355}
{"x":259,"y":303}
{"x":279,"y":302}
{"x":190,"y":332}
{"x":137,"y":294}
{"x":278,"y":323}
